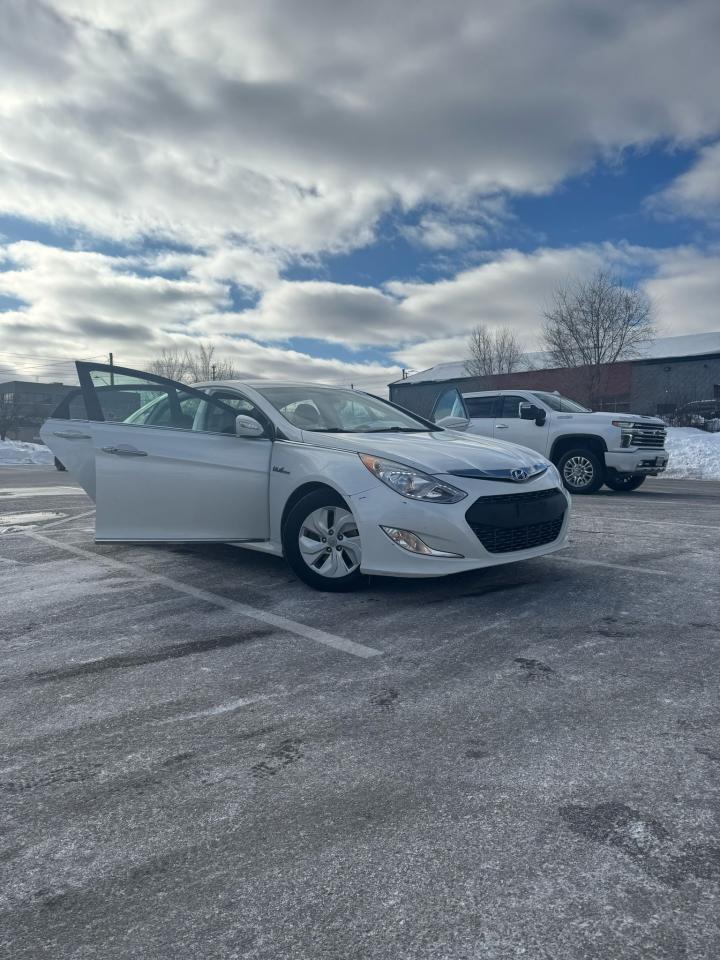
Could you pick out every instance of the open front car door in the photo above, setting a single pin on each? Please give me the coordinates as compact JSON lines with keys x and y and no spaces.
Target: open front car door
{"x":163,"y":460}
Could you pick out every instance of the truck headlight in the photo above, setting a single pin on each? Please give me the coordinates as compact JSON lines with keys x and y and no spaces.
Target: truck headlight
{"x":411,"y":483}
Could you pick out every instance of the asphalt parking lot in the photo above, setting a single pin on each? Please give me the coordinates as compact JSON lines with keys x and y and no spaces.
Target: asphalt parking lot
{"x":201,"y":757}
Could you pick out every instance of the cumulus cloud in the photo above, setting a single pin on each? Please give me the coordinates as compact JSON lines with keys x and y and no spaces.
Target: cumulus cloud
{"x":695,"y":193}
{"x":204,"y":118}
{"x":218,"y":143}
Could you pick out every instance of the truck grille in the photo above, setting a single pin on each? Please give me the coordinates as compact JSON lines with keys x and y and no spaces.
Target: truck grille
{"x":647,"y":435}
{"x":517,"y":521}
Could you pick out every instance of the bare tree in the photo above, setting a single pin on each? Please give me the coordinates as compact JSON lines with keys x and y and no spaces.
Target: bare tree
{"x":202,"y":365}
{"x":493,"y":352}
{"x":193,"y":366}
{"x":595,"y":322}
{"x":170,"y":363}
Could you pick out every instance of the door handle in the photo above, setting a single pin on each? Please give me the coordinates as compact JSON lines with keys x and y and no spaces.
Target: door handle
{"x":501,"y":426}
{"x":125,"y":450}
{"x":72,"y":436}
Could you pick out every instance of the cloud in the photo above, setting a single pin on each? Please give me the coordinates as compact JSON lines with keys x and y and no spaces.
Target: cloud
{"x":78,"y":303}
{"x":217,"y":144}
{"x":204,"y":120}
{"x":695,"y":193}
{"x":686,"y":291}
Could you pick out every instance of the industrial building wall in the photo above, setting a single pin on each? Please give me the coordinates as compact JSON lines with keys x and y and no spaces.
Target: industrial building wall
{"x":660,"y":386}
{"x":574,"y":382}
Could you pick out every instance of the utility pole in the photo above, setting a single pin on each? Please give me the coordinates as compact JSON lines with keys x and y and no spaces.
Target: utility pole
{"x":213,"y":368}
{"x":112,"y":374}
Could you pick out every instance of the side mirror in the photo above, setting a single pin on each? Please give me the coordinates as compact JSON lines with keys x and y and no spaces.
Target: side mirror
{"x":248,"y":427}
{"x":453,"y":423}
{"x":528,"y":411}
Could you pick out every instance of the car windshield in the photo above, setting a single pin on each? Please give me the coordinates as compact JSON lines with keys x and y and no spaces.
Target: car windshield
{"x":561,"y":404}
{"x":326,"y":410}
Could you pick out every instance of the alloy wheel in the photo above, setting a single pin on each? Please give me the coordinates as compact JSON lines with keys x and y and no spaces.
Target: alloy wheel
{"x":578,"y":471}
{"x":329,"y":542}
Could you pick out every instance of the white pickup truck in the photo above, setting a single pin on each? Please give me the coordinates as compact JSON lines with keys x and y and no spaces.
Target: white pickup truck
{"x":589,"y":449}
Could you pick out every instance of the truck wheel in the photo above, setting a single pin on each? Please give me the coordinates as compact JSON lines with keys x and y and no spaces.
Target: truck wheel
{"x":321,"y":542}
{"x":624,"y":481}
{"x":581,"y":471}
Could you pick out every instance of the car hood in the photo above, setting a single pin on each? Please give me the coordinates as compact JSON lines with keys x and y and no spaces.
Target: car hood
{"x":604,"y":417}
{"x":446,"y":451}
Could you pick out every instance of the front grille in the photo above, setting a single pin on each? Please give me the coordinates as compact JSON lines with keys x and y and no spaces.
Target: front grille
{"x":644,"y":435}
{"x":500,"y":540}
{"x":528,"y":497}
{"x":517,"y":521}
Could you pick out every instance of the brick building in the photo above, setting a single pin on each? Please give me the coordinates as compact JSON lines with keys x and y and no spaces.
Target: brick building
{"x":675,"y":371}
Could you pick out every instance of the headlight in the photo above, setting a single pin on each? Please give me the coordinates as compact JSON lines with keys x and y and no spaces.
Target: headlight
{"x":411,"y":483}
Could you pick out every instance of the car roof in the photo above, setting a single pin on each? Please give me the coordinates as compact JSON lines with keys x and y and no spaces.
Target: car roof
{"x":259,"y":384}
{"x":502,"y":393}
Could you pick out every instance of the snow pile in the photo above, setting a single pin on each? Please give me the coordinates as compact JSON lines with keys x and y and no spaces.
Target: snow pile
{"x":694,"y":454}
{"x":15,"y":451}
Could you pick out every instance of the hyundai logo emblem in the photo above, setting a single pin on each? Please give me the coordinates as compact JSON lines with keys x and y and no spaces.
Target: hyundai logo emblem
{"x":519,"y":474}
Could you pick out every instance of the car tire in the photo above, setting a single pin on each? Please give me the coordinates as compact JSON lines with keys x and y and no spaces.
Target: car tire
{"x":624,"y":482}
{"x":581,"y":470}
{"x":321,"y":542}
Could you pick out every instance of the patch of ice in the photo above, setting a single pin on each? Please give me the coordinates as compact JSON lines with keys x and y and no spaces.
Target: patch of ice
{"x":20,"y":493}
{"x":14,"y":521}
{"x":694,"y":454}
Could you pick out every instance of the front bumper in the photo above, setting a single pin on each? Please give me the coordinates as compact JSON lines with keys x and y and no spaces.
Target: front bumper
{"x":443,"y":527}
{"x":639,"y":460}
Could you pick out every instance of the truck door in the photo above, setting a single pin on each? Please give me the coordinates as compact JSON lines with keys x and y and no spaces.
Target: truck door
{"x":510,"y":426}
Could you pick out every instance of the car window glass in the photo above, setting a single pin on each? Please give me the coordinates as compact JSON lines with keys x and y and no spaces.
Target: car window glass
{"x":561,"y":404}
{"x":510,"y":409}
{"x":129,"y":399}
{"x":480,"y":407}
{"x":217,"y":419}
{"x":449,"y":405}
{"x":338,"y":410}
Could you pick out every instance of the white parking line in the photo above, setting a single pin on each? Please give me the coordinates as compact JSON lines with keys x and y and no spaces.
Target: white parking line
{"x":76,"y":516}
{"x":252,"y":613}
{"x":603,"y":563}
{"x":230,"y":707}
{"x":657,"y":523}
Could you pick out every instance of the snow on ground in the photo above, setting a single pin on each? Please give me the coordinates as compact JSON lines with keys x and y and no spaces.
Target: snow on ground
{"x":694,"y":454}
{"x":15,"y":451}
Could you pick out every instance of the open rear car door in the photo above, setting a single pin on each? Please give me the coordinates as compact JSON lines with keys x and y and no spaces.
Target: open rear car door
{"x":161,"y":459}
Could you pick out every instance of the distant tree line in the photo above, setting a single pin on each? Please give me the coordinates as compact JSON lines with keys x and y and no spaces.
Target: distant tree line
{"x":193,"y":366}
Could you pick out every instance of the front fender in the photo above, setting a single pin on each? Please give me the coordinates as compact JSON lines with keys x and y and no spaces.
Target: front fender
{"x":295,"y":465}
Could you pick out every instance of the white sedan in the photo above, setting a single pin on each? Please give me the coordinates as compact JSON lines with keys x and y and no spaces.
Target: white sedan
{"x":338,"y":482}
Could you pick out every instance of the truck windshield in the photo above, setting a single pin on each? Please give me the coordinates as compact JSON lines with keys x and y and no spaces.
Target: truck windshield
{"x":561,"y":404}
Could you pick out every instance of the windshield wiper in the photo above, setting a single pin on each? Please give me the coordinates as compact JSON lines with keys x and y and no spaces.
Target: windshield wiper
{"x":396,"y":430}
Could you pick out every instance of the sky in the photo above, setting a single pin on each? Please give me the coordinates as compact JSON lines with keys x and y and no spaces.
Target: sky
{"x":331,"y":191}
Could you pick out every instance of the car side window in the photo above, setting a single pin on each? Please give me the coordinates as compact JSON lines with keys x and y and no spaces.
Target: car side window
{"x":510,"y":409}
{"x":480,"y":408}
{"x":221,"y":419}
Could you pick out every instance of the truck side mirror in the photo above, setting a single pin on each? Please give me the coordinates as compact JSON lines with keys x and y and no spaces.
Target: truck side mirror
{"x":528,"y":411}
